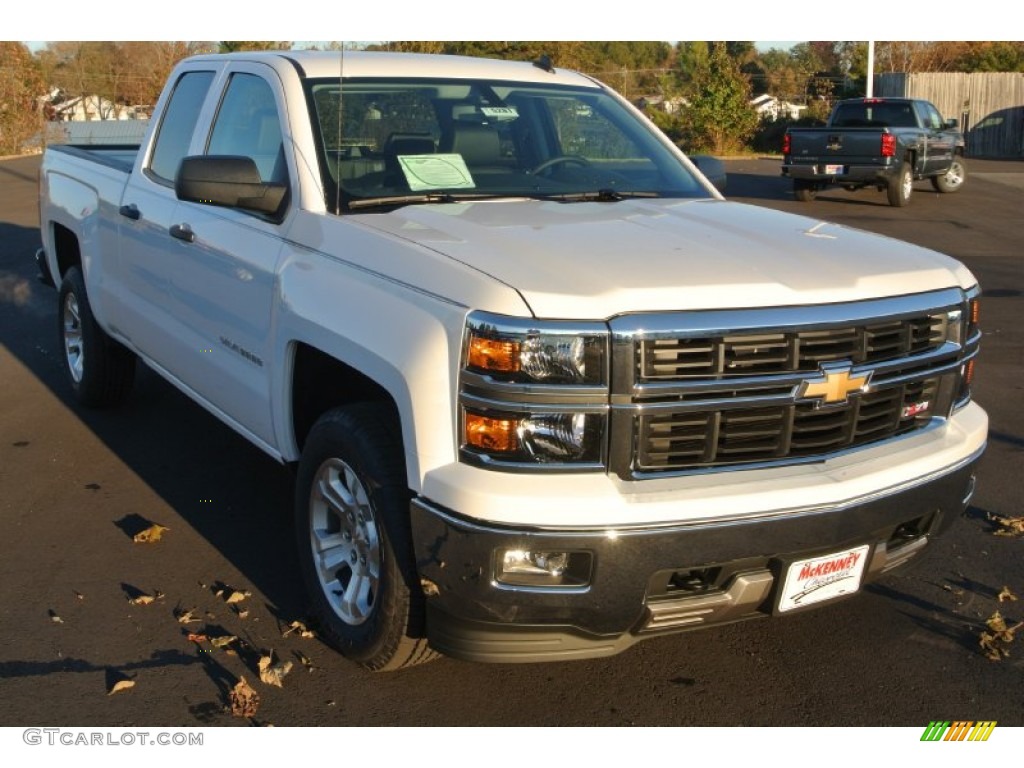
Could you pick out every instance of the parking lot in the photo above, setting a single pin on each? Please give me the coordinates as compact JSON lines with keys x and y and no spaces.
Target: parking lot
{"x":75,"y":485}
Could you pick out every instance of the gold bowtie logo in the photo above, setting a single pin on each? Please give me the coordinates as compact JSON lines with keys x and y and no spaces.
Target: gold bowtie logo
{"x":833,"y":386}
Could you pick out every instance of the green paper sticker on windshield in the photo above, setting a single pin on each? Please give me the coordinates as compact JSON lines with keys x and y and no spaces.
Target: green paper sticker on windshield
{"x":423,"y":172}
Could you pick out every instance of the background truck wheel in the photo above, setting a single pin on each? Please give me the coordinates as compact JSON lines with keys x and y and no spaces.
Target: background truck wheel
{"x":355,"y":547}
{"x":900,"y":186}
{"x":953,"y":179}
{"x":804,"y":191}
{"x":100,"y":370}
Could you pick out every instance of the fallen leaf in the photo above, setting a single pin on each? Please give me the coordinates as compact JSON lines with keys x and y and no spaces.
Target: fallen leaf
{"x":151,"y":534}
{"x":55,"y":618}
{"x":241,"y":612}
{"x":237,"y":596}
{"x":142,"y":600}
{"x":273,"y":674}
{"x":223,"y":641}
{"x":995,"y":641}
{"x":186,"y":617}
{"x":1008,"y":526}
{"x":306,"y":662}
{"x":300,"y":628}
{"x":197,"y":638}
{"x":78,"y":594}
{"x":1006,"y":594}
{"x":121,"y":685}
{"x":244,"y":700}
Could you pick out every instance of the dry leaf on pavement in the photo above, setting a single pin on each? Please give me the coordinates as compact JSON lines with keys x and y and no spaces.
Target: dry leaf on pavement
{"x":223,"y":641}
{"x":300,"y":628}
{"x":273,"y":674}
{"x":186,"y":617}
{"x":1006,"y":594}
{"x":121,"y":685}
{"x":244,"y":700}
{"x":237,"y":596}
{"x":151,"y":534}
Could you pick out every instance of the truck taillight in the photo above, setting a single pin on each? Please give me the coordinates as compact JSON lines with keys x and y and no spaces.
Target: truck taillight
{"x":888,"y":145}
{"x":785,"y":144}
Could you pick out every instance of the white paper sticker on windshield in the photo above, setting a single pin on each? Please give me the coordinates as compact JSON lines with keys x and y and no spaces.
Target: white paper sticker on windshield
{"x":435,"y":172}
{"x":500,"y":113}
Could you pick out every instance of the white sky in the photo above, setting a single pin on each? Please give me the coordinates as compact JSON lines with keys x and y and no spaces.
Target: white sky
{"x":477,"y":20}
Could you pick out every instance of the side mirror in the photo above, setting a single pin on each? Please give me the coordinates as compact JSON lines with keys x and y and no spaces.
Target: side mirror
{"x":230,"y":181}
{"x":713,"y":169}
{"x":952,"y":123}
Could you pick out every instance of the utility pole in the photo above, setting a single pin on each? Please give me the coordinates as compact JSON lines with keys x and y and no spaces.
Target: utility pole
{"x":871,"y":69}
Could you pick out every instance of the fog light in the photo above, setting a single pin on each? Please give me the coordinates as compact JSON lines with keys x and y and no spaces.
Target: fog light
{"x":520,"y":567}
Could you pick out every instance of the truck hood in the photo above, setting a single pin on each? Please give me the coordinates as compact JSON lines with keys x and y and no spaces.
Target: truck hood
{"x":600,"y":259}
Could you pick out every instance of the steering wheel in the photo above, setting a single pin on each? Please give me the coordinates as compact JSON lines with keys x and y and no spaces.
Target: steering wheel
{"x":551,"y":162}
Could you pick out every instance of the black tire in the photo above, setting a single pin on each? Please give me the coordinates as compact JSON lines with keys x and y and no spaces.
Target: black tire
{"x":100,"y":370}
{"x":355,"y":546}
{"x":953,"y":179}
{"x":804,"y":191}
{"x":900,"y":186}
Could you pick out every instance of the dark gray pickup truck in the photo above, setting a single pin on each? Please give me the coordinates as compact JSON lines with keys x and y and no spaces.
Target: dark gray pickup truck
{"x":881,"y":143}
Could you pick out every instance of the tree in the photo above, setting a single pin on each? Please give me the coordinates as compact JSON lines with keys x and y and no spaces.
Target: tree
{"x":233,"y":46}
{"x":719,"y":118}
{"x":21,"y":85}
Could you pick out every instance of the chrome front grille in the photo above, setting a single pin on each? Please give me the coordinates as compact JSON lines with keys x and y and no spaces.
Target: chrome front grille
{"x":706,"y":390}
{"x":762,"y":353}
{"x":699,"y":438}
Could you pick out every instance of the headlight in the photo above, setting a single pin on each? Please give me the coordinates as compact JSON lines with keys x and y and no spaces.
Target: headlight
{"x":515,"y":350}
{"x":533,"y":438}
{"x":534,"y":393}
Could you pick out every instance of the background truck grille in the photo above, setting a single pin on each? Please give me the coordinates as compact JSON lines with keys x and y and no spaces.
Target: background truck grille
{"x":690,"y":439}
{"x":750,"y":354}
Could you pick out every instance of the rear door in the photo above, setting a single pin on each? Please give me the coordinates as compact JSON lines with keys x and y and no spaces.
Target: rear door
{"x":148,"y":253}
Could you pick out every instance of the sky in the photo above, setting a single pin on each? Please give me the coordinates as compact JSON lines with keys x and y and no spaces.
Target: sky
{"x":518,"y":20}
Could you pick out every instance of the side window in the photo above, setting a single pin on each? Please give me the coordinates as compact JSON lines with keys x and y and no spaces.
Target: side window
{"x":178,"y":124}
{"x":934,"y":118}
{"x":248,"y":124}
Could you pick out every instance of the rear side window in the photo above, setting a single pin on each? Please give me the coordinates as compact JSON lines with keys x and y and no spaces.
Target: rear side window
{"x":248,"y":124}
{"x":178,"y":124}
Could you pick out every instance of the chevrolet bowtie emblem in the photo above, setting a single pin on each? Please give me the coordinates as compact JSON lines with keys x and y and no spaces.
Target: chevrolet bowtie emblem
{"x":833,"y":386}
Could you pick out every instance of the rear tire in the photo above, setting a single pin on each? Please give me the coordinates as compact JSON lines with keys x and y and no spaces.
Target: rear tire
{"x":804,"y":191}
{"x":355,"y":545}
{"x":953,"y":179}
{"x":901,"y":186}
{"x":100,"y":370}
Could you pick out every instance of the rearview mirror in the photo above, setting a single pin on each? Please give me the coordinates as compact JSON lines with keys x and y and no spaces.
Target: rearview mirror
{"x":231,"y":181}
{"x":713,"y":169}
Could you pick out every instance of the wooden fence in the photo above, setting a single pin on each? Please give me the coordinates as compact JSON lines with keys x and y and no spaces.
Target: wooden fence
{"x":989,"y":105}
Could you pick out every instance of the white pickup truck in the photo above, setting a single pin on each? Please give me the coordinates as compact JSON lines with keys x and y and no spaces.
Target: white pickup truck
{"x":547,"y":392}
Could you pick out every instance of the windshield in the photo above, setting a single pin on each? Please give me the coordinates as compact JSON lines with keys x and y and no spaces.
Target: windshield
{"x":392,"y":142}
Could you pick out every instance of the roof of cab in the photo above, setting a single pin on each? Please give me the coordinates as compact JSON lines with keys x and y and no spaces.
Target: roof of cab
{"x":319,"y":64}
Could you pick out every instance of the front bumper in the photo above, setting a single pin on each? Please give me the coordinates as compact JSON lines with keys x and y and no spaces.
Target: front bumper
{"x":652,"y":580}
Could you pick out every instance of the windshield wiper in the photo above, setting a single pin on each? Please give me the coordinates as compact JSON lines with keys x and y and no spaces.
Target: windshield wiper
{"x":431,"y":197}
{"x":601,"y":196}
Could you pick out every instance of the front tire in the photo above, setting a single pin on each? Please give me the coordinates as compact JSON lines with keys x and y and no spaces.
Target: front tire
{"x":100,"y":370}
{"x":953,"y":179}
{"x":355,"y":546}
{"x":901,"y":186}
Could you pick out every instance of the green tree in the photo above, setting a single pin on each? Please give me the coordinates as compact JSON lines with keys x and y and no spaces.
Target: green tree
{"x":719,"y":118}
{"x":21,"y":85}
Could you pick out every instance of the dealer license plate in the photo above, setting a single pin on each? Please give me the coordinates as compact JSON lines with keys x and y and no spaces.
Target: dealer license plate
{"x":823,"y":578}
{"x":833,"y":170}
